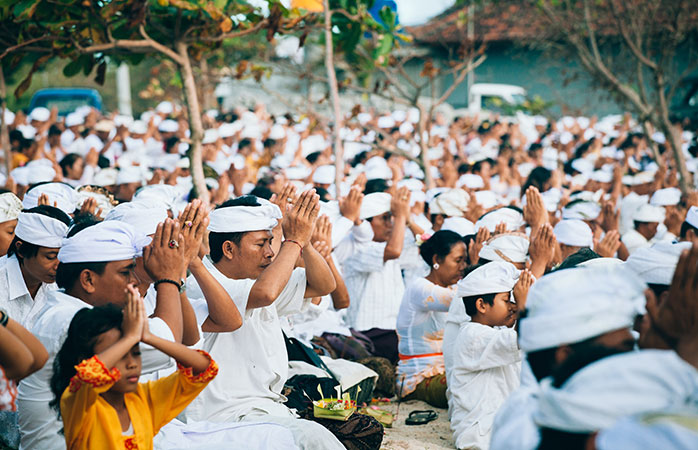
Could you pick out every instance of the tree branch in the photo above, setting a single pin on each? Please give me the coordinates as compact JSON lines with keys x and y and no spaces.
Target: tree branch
{"x":25,"y":44}
{"x":472,"y":65}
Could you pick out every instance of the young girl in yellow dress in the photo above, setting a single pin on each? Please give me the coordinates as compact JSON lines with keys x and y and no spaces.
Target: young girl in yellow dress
{"x":96,"y":373}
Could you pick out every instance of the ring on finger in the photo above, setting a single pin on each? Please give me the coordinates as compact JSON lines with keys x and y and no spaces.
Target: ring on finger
{"x":173,"y":244}
{"x":189,"y":223}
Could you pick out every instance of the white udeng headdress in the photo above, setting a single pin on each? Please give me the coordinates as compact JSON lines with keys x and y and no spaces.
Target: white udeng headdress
{"x":41,"y":230}
{"x":239,"y":219}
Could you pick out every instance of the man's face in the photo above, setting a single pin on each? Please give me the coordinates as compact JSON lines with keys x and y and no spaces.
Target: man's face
{"x":647,"y":229}
{"x":7,"y":234}
{"x":110,"y":286}
{"x":42,"y":266}
{"x":382,"y":227}
{"x":254,"y":254}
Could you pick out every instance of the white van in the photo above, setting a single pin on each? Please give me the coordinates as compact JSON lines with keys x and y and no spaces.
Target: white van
{"x":491,"y":96}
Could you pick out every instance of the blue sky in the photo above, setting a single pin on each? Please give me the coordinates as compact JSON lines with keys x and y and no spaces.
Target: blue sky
{"x":415,"y":12}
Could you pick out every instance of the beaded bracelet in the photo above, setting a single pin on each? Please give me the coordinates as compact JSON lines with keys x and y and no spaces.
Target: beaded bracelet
{"x":297,"y":243}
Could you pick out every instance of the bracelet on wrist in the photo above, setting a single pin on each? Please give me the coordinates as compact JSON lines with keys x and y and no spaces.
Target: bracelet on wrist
{"x":180,"y":285}
{"x":295,"y":242}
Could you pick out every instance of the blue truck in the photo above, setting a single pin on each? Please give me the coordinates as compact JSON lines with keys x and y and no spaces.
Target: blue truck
{"x":66,"y":100}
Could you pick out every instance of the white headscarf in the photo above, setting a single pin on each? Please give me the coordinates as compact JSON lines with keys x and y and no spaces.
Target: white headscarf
{"x":511,"y":217}
{"x":375,"y":204}
{"x":507,"y":247}
{"x":239,"y":219}
{"x":41,"y":230}
{"x":460,"y":225}
{"x":656,"y":264}
{"x":452,"y":203}
{"x":582,"y":210}
{"x":10,"y":207}
{"x":573,"y":232}
{"x":144,"y":215}
{"x":106,"y":241}
{"x":617,"y":386}
{"x":575,"y":304}
{"x":491,"y":278}
{"x":692,"y":216}
{"x":65,"y":197}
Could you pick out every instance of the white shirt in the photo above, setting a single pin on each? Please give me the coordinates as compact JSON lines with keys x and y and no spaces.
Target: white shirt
{"x":14,"y":295}
{"x":513,"y":427}
{"x":38,"y":424}
{"x":420,"y":327}
{"x":375,"y":288}
{"x":455,"y":317}
{"x":487,"y":368}
{"x":252,"y":360}
{"x":634,"y":241}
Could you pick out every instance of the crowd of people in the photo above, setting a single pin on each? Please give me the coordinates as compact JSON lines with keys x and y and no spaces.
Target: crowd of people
{"x":537,"y":278}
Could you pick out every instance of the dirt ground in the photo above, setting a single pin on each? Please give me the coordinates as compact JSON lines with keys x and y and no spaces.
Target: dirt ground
{"x":433,"y":435}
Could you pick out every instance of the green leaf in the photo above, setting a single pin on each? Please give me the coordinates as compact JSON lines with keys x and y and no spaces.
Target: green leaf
{"x":72,"y":68}
{"x":26,"y":8}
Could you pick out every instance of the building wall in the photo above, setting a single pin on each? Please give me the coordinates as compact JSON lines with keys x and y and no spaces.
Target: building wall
{"x":552,"y":80}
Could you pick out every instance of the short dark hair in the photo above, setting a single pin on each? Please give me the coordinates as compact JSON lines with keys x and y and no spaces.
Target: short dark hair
{"x":685,"y":228}
{"x":216,"y":240}
{"x":582,"y":255}
{"x":551,"y":439}
{"x":439,"y":245}
{"x":68,"y":273}
{"x":27,"y":249}
{"x":68,"y":161}
{"x":244,"y":143}
{"x":261,"y":192}
{"x":469,"y":302}
{"x":376,"y":185}
{"x":323,"y":193}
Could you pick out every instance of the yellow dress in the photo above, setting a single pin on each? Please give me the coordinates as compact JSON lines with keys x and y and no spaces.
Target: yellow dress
{"x":91,"y":423}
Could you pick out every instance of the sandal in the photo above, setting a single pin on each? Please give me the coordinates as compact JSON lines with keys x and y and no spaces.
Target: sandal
{"x":421,"y":417}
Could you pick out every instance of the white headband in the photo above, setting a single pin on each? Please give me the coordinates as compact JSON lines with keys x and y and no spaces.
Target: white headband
{"x":106,"y":241}
{"x":240,"y":219}
{"x":40,"y":230}
{"x":10,"y":207}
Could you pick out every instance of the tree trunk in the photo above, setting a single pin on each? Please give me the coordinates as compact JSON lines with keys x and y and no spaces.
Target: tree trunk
{"x":685,"y":180}
{"x":334,"y":95}
{"x":195,"y":125}
{"x":4,"y":127}
{"x":653,"y":145}
{"x":424,"y":147}
{"x":208,"y":101}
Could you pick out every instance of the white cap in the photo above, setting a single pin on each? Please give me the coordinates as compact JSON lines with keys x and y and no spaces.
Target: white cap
{"x":40,"y":114}
{"x":168,"y":126}
{"x":656,"y":264}
{"x":324,"y":175}
{"x":375,"y":204}
{"x":165,"y":107}
{"x":138,"y":127}
{"x":74,"y":119}
{"x":649,"y":213}
{"x":492,"y":278}
{"x":210,"y":136}
{"x":129,"y":174}
{"x":227,"y":130}
{"x":572,"y":305}
{"x":573,"y":232}
{"x":459,"y":225}
{"x":666,"y":197}
{"x":105,"y":177}
{"x":507,"y":247}
{"x":471,"y":181}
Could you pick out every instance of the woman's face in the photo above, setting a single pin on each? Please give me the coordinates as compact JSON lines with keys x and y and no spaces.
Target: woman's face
{"x":43,"y":266}
{"x":451,"y":268}
{"x":75,"y":171}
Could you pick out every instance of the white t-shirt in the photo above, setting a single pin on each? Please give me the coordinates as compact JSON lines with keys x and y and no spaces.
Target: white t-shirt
{"x":420,"y":327}
{"x":252,"y":360}
{"x":14,"y":295}
{"x":375,"y":288}
{"x":486,"y":369}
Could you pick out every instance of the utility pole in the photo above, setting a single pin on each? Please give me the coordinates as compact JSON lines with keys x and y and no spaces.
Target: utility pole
{"x":123,"y":89}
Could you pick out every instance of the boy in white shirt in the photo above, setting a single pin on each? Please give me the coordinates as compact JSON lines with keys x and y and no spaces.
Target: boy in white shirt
{"x":486,"y":363}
